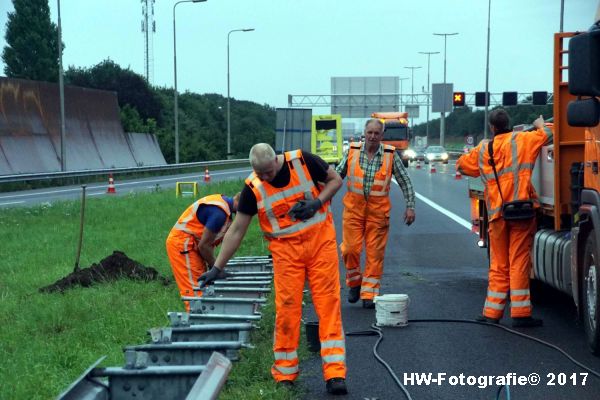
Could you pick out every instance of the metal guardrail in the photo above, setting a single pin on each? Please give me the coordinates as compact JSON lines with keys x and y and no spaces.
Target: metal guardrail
{"x":88,"y":172}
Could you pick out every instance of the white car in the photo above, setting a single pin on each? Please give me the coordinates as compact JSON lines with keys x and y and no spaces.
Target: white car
{"x":436,"y":153}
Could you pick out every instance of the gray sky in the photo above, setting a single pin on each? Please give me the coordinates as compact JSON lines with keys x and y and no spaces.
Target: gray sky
{"x":299,"y":45}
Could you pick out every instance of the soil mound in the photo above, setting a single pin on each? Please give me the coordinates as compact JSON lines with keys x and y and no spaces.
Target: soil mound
{"x":114,"y":267}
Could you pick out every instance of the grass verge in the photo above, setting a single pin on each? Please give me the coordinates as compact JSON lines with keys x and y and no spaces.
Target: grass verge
{"x":48,"y":340}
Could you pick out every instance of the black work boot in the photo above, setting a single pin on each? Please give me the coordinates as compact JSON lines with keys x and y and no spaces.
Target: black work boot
{"x":483,"y":318}
{"x":368,"y":303}
{"x":526,"y":322}
{"x":286,"y":384}
{"x":336,"y":386}
{"x":354,"y":294}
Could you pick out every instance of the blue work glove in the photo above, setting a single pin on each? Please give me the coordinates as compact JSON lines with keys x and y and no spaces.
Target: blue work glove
{"x":305,"y":209}
{"x":211,"y":276}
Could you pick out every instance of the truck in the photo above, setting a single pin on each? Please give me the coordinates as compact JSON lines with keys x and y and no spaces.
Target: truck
{"x":326,"y":137}
{"x":566,"y":247}
{"x":396,"y":132}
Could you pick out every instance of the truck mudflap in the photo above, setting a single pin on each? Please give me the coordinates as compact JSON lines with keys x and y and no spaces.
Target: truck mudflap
{"x":552,"y":258}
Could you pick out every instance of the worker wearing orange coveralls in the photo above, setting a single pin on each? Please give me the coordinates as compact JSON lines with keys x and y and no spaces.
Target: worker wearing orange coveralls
{"x":290,"y":193}
{"x":510,"y":240}
{"x":369,"y":168}
{"x":191,"y":242}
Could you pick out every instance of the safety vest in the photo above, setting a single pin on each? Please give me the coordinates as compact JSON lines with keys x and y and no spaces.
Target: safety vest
{"x":514,"y":154}
{"x":188,"y":223}
{"x":273,"y":204}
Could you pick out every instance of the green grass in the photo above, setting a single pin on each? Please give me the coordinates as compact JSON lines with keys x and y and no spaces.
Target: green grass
{"x":48,"y":340}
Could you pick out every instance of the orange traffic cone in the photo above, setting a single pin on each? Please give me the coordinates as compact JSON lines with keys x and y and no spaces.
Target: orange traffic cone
{"x":432,"y":170}
{"x":111,"y":184}
{"x":206,"y":175}
{"x":418,"y":164}
{"x":457,"y":176}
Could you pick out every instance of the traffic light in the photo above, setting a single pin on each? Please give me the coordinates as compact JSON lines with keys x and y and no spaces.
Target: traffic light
{"x":480,"y":99}
{"x":540,"y":98}
{"x":458,"y":99}
{"x":509,"y":98}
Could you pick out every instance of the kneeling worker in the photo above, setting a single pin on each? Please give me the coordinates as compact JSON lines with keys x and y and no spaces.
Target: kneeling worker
{"x":294,"y":216}
{"x":192,"y":241}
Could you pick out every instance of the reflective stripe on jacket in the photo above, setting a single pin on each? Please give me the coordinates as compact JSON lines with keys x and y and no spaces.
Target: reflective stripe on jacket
{"x":273,"y":204}
{"x":515,"y":154}
{"x":188,"y":222}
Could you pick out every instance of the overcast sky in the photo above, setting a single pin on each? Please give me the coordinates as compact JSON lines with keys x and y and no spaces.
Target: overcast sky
{"x":298,"y":45}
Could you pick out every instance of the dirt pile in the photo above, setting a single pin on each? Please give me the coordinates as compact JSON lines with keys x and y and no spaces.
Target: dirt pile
{"x":114,"y":267}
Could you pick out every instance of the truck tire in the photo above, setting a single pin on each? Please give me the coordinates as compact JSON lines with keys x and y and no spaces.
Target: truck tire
{"x":590,"y":295}
{"x":405,"y":162}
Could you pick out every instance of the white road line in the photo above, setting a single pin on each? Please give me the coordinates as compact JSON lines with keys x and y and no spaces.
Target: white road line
{"x":12,"y":202}
{"x":447,"y":213}
{"x":441,"y":209}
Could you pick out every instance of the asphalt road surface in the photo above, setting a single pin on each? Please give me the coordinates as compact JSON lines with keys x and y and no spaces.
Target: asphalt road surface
{"x":437,"y":263}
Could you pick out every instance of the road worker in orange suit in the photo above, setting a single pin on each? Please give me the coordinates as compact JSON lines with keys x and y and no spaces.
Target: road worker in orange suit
{"x":291,"y":193}
{"x":514,"y":155}
{"x":192,"y":241}
{"x":369,"y":168}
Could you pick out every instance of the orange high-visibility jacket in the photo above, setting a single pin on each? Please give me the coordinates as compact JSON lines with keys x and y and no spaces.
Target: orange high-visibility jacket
{"x":380,"y":190}
{"x":514,"y":154}
{"x":189,"y":224}
{"x":274,"y":203}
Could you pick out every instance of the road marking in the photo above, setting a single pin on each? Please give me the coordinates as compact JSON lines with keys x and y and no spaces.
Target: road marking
{"x":447,"y":213}
{"x":12,"y":202}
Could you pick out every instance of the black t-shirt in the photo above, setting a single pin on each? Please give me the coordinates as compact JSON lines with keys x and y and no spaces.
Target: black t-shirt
{"x":317,"y":168}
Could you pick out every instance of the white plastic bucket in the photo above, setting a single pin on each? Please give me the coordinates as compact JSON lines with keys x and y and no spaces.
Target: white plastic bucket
{"x":391,"y":309}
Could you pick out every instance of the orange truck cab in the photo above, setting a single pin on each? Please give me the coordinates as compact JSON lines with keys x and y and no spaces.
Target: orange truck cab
{"x":566,"y":246}
{"x":396,"y":132}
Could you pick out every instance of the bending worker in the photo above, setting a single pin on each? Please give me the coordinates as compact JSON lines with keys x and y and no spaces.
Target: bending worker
{"x":192,"y":241}
{"x":293,"y":213}
{"x":513,"y":156}
{"x":369,"y":168}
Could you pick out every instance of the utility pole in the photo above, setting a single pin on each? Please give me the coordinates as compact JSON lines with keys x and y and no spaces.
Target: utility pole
{"x":428,"y":54}
{"x":61,"y":86}
{"x":443,"y":120}
{"x":487,"y":76}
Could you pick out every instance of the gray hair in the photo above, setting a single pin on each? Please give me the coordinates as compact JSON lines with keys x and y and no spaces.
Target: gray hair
{"x":261,"y":154}
{"x":375,"y":120}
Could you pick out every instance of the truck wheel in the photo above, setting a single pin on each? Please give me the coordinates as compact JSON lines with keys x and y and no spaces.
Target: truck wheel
{"x":405,"y":162}
{"x":590,"y":300}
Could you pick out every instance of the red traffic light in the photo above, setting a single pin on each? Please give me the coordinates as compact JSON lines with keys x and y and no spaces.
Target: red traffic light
{"x":458,"y":99}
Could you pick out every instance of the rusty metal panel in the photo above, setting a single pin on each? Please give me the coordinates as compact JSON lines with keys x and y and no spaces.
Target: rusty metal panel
{"x":146,"y":150}
{"x":30,"y":130}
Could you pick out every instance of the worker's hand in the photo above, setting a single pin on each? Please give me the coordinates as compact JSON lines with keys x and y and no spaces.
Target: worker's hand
{"x":539,"y":122}
{"x":211,"y":276}
{"x":305,"y":209}
{"x":409,"y":216}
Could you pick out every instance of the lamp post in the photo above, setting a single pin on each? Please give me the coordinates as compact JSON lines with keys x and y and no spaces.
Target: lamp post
{"x":412,"y":88}
{"x":443,"y":120}
{"x":401,"y":79}
{"x":428,"y":54}
{"x":228,"y":97}
{"x":176,"y":108}
{"x":61,"y":88}
{"x":487,"y":75}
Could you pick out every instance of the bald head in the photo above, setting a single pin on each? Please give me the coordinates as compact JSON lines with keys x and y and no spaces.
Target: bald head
{"x":261,"y":156}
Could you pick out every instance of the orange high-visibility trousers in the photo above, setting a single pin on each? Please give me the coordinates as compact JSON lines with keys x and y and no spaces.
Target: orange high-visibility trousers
{"x":186,"y":263}
{"x":510,"y":266}
{"x":310,"y":255}
{"x":368,"y":225}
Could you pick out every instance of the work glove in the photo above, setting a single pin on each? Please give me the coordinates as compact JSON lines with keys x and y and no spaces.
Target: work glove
{"x":212,"y":275}
{"x":305,"y":209}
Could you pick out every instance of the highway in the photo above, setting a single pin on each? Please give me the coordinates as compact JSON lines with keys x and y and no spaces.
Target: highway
{"x":437,"y":263}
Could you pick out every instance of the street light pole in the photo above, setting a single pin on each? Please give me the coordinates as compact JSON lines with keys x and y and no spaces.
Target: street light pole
{"x":428,"y":53}
{"x":228,"y":97}
{"x":412,"y":88}
{"x":61,"y":88}
{"x":487,"y":75}
{"x":443,"y":120}
{"x":401,"y":79}
{"x":176,"y":108}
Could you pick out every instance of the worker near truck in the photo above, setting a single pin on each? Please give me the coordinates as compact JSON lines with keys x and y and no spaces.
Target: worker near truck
{"x":369,"y":168}
{"x":291,"y":193}
{"x":191,"y":242}
{"x":514,"y":155}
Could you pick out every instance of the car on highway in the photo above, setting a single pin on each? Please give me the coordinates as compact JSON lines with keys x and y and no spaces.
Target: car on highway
{"x":436,"y":153}
{"x":416,"y":154}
